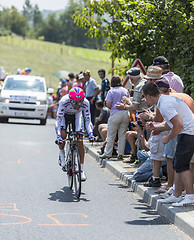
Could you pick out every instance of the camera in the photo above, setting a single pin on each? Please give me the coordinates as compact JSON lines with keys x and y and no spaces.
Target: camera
{"x":139,"y":122}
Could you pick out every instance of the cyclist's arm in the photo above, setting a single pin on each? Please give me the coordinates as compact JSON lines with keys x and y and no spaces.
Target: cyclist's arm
{"x":87,"y":116}
{"x":59,"y":117}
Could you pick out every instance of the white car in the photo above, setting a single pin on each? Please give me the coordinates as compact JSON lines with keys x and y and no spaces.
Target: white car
{"x":24,"y":97}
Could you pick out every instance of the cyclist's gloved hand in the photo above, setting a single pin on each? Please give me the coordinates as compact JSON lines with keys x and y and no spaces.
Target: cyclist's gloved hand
{"x":59,"y":140}
{"x":91,"y":137}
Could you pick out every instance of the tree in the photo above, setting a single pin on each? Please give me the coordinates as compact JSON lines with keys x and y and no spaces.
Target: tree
{"x":50,"y":29}
{"x":19,"y":23}
{"x":73,"y":35}
{"x":13,"y":21}
{"x":143,"y":29}
{"x":28,"y":10}
{"x":37,"y":17}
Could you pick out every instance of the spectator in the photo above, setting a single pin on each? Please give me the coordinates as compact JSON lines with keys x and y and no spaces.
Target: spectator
{"x":102,"y":128}
{"x":118,"y":120}
{"x":92,"y":90}
{"x":101,"y":119}
{"x":138,"y":101}
{"x":170,"y":147}
{"x":80,"y":78}
{"x":18,"y":71}
{"x":156,"y":147}
{"x":26,"y":71}
{"x":104,"y":84}
{"x":180,"y":119}
{"x":50,"y":92}
{"x":131,"y":137}
{"x":71,"y":81}
{"x":145,"y":171}
{"x":2,"y":74}
{"x":55,"y":106}
{"x":64,"y":87}
{"x":174,"y":80}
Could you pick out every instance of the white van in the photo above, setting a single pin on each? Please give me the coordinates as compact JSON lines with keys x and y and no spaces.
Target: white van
{"x":24,"y":97}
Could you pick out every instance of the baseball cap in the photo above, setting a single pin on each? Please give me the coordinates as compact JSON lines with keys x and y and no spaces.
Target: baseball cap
{"x":162,"y":83}
{"x":135,"y":71}
{"x":63,"y":80}
{"x":86,"y":72}
{"x":160,"y":60}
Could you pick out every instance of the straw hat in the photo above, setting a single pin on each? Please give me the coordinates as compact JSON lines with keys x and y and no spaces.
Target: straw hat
{"x":153,"y":72}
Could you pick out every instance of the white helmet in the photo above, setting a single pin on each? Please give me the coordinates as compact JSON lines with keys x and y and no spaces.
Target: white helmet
{"x":50,"y":90}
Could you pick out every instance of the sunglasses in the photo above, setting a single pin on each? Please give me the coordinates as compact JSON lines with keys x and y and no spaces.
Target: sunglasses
{"x":76,"y":103}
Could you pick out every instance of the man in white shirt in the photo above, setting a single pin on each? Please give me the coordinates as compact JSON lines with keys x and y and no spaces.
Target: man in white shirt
{"x":180,"y":119}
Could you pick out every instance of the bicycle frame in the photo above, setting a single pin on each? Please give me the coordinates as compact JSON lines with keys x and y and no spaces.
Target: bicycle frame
{"x":73,"y":160}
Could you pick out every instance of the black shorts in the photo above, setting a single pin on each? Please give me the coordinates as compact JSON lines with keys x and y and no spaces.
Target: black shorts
{"x":68,"y":119}
{"x":184,"y":152}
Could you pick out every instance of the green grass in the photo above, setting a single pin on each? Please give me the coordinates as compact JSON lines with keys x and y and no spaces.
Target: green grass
{"x":47,"y":58}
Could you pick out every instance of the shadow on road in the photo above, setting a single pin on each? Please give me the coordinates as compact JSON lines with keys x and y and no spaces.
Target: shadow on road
{"x":66,"y":195}
{"x":150,"y":217}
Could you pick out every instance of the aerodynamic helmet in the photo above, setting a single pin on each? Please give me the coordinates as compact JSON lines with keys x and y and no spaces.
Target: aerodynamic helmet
{"x":76,"y":94}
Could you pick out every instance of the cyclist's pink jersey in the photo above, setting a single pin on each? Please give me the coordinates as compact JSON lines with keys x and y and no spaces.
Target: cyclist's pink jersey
{"x":65,"y":107}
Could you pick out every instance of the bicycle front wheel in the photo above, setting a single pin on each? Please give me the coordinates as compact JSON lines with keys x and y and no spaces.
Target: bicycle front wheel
{"x":69,"y":165}
{"x":76,"y":172}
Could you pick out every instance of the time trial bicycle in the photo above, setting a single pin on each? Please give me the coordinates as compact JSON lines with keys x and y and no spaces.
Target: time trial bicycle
{"x":72,"y":159}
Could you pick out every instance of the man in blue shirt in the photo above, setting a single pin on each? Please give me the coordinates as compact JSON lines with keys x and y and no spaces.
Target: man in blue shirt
{"x":104,"y":85}
{"x":92,"y":90}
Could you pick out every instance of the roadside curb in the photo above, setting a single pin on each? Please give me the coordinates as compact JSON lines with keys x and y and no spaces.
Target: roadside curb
{"x":182,"y":217}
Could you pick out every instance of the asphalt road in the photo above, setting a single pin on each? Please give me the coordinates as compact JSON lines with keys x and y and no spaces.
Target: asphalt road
{"x":36,"y":203}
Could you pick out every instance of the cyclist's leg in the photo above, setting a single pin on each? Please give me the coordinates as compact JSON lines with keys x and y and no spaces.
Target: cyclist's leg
{"x":62,"y":162}
{"x":80,"y":146}
{"x":78,"y":127}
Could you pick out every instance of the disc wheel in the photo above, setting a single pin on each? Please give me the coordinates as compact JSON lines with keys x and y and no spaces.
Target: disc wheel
{"x":76,"y":172}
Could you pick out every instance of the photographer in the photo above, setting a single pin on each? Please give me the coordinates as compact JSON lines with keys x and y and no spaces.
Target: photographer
{"x":138,"y":100}
{"x":133,"y":139}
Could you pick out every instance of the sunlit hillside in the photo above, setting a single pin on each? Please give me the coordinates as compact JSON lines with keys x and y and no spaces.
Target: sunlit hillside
{"x":47,"y":58}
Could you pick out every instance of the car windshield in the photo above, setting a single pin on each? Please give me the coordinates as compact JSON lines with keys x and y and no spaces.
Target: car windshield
{"x":35,"y":85}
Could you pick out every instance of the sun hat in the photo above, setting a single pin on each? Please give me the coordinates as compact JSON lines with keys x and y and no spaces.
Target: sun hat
{"x":80,"y":76}
{"x":153,"y":72}
{"x":160,"y":60}
{"x":135,"y":71}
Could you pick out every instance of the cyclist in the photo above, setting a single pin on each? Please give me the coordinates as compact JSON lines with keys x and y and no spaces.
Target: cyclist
{"x":70,"y":110}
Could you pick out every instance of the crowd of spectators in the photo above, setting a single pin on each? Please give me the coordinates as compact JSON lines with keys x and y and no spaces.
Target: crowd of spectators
{"x":151,"y":118}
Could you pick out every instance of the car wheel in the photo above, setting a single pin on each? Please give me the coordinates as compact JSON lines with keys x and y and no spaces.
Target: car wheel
{"x":43,"y":121}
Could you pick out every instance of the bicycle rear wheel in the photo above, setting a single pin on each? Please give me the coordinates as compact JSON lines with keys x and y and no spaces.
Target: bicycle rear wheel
{"x":76,"y":172}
